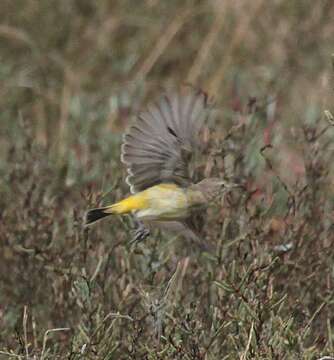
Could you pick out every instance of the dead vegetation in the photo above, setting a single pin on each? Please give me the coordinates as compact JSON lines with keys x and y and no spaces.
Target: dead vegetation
{"x":73,"y":73}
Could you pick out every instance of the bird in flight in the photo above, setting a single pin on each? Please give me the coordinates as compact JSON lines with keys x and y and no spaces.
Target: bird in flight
{"x":158,"y":150}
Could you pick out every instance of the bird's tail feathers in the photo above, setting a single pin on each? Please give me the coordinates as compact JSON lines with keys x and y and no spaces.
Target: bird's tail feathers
{"x":96,"y":214}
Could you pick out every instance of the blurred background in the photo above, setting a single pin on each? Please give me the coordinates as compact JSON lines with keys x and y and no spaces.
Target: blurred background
{"x":73,"y":74}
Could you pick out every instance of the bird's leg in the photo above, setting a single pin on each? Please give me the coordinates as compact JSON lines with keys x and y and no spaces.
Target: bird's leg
{"x":140,"y":232}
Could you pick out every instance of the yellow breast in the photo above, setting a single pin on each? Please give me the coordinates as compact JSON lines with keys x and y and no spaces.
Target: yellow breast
{"x":159,"y":202}
{"x":164,"y":202}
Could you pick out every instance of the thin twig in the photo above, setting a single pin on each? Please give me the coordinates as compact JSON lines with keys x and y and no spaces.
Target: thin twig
{"x":240,"y":33}
{"x":25,"y":333}
{"x":244,"y":355}
{"x":161,"y":43}
{"x":45,"y":338}
{"x":207,"y":43}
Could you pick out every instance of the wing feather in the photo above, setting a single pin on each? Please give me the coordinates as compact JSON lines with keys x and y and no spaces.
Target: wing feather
{"x":158,"y":146}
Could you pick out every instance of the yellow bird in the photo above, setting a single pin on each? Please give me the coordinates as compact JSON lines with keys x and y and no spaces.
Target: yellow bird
{"x":157,"y":150}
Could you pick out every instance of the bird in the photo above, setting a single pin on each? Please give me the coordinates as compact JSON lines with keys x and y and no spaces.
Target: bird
{"x":158,"y":150}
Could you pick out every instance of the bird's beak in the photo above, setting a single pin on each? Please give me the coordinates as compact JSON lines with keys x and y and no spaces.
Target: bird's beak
{"x":231,"y":185}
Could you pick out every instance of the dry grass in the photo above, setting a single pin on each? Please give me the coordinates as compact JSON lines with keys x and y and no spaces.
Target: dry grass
{"x":73,"y":73}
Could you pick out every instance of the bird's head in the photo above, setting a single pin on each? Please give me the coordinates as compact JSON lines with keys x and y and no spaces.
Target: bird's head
{"x":213,"y":187}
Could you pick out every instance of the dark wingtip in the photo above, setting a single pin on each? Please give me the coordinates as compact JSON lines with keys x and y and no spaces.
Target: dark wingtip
{"x":172,"y":132}
{"x":94,"y":215}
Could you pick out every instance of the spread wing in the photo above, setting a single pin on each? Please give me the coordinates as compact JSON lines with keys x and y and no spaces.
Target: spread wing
{"x":159,"y":145}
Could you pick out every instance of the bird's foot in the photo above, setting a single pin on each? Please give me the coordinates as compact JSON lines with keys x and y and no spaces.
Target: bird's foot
{"x":140,"y":234}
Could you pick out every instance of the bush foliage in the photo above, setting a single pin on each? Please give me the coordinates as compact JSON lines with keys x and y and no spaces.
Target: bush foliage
{"x":73,"y":75}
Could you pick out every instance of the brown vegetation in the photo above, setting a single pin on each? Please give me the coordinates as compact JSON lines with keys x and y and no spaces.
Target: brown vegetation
{"x":72,"y":74}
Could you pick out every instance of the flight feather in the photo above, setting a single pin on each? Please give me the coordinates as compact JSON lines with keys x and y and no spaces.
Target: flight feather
{"x":160,"y":143}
